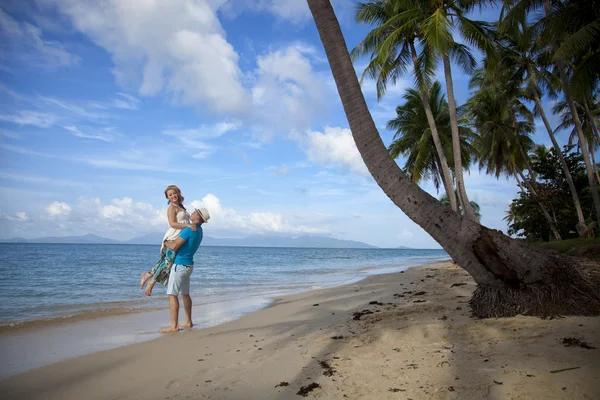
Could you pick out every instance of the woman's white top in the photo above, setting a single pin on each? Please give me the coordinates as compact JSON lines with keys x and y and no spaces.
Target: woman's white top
{"x":172,"y":233}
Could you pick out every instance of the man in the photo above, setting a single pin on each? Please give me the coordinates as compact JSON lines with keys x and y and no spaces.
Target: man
{"x":186,"y":246}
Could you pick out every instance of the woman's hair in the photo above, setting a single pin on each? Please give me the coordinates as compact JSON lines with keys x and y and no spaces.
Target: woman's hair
{"x":180,"y":196}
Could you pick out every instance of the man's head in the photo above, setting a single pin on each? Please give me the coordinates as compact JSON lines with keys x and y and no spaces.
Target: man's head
{"x":200,"y":216}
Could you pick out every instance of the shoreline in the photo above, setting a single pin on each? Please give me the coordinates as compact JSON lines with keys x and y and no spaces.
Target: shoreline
{"x":64,"y":338}
{"x":402,"y":332}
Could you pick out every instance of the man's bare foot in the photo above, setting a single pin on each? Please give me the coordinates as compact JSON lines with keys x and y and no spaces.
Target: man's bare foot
{"x":169,"y":330}
{"x":145,"y":277}
{"x":149,"y":288}
{"x":186,"y":324}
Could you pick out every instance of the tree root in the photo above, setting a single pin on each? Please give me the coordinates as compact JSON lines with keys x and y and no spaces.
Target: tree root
{"x":573,"y":290}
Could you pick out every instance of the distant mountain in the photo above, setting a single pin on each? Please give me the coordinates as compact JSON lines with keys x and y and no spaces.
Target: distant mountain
{"x":89,"y":239}
{"x":404,"y":248}
{"x":14,"y":240}
{"x":151,"y":238}
{"x":250,"y":241}
{"x":262,"y":241}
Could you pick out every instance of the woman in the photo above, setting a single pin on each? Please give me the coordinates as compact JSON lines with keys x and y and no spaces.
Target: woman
{"x":178,"y":219}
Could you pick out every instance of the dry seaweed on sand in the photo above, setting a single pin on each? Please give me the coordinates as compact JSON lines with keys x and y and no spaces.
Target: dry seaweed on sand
{"x":305,"y":390}
{"x":328,"y":371}
{"x":357,"y":315}
{"x":568,"y":342}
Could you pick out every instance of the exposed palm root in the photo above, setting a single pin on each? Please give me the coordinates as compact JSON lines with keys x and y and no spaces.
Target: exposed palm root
{"x":574,"y":289}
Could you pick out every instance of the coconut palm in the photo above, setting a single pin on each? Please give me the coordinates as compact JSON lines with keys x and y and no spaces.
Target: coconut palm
{"x":519,"y":53}
{"x":439,"y":20}
{"x":413,"y":137}
{"x":511,"y":277}
{"x":392,"y":47}
{"x":570,"y":31}
{"x":504,"y":125}
{"x":444,"y":200}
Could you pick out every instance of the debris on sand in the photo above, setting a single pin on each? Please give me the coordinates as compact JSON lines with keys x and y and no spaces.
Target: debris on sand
{"x":338,"y":337}
{"x":563,"y":370}
{"x":305,"y":390}
{"x":282,"y":384}
{"x":568,"y":342}
{"x":396,"y":390}
{"x":328,"y":370}
{"x":376,"y":303}
{"x":356,"y":316}
{"x":420,"y":293}
{"x":457,"y":284}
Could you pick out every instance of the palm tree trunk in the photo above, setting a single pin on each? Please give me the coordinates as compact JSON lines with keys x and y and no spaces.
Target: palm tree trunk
{"x":581,"y":226}
{"x":594,"y":163}
{"x":446,"y":177}
{"x":582,"y":141}
{"x":596,"y":136}
{"x":592,"y":120}
{"x":458,"y":172}
{"x":511,"y":277}
{"x":547,"y":215}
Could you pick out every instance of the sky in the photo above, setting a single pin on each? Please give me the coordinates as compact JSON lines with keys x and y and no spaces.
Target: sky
{"x":105,"y":103}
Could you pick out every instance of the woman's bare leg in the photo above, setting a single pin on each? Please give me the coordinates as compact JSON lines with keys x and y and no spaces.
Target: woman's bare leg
{"x":145,"y":277}
{"x":149,"y":287}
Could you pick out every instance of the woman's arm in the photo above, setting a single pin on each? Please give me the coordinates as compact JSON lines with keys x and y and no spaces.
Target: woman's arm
{"x":172,"y":216}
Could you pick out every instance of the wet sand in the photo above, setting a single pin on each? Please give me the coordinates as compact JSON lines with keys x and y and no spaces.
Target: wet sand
{"x":394,"y":336}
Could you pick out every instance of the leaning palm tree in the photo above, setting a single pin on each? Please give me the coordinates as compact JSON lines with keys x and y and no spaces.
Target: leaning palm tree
{"x":520,"y":54}
{"x":392,"y":46}
{"x":511,"y":277}
{"x":413,"y":138}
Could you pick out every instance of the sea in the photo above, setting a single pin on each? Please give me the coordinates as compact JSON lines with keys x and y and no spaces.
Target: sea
{"x":53,"y":282}
{"x":60,"y":301}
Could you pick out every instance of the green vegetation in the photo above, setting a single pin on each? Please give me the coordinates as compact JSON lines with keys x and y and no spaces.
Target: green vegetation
{"x":569,"y":244}
{"x":537,"y":50}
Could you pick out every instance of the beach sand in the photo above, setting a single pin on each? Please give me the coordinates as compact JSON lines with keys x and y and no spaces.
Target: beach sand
{"x":418,"y":343}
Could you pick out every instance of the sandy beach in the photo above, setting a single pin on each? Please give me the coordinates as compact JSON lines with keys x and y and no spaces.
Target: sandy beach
{"x":396,"y":336}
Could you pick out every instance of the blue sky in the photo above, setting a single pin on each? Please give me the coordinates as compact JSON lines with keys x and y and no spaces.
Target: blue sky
{"x":104,"y":104}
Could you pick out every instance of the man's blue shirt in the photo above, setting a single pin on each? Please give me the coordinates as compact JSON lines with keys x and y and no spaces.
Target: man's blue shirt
{"x":185,"y":254}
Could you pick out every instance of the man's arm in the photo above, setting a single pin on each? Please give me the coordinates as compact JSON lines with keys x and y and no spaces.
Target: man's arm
{"x":175,"y":244}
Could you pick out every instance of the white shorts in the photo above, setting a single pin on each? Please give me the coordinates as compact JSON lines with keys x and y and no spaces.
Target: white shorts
{"x":179,"y":279}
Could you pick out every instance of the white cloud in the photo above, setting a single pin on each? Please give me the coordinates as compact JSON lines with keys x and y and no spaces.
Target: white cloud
{"x":40,"y":119}
{"x":283,"y":170}
{"x":26,"y":42}
{"x":179,"y":46}
{"x":126,"y":218}
{"x":334,"y":147}
{"x":102,"y":135}
{"x":58,"y":209}
{"x":286,"y":85}
{"x":228,"y":219}
{"x":196,"y":139}
{"x":9,"y":134}
{"x":126,"y":102}
{"x":73,"y":109}
{"x":18,"y":217}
